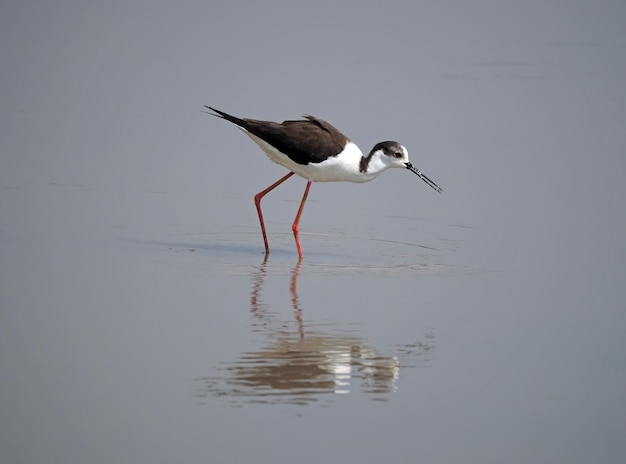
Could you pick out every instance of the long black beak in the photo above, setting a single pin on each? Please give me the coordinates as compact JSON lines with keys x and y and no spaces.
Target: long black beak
{"x":412,"y":168}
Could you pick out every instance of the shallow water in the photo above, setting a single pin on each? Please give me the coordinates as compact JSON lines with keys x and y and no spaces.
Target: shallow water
{"x":141,"y":322}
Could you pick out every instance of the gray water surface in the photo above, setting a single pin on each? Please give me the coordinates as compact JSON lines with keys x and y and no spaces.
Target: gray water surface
{"x":140,"y":320}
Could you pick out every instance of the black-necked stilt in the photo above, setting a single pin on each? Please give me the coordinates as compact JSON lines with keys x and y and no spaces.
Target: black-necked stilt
{"x":315,"y":150}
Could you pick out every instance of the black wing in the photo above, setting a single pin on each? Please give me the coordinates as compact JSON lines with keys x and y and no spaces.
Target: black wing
{"x":311,"y":140}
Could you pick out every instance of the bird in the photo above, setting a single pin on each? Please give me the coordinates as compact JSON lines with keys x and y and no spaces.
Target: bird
{"x":318,"y":152}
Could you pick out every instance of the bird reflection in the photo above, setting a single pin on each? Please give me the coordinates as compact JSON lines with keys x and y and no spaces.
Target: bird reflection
{"x":258,"y":309}
{"x":302,"y":362}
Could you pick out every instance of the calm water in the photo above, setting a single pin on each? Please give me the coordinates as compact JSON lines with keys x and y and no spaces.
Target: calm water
{"x":140,"y":322}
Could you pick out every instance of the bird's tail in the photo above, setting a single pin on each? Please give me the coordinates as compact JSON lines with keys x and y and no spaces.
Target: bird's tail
{"x":220,"y":114}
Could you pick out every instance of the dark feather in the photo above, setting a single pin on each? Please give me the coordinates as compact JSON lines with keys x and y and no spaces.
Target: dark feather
{"x":311,"y":140}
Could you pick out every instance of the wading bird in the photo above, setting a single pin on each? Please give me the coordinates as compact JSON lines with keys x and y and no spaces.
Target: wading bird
{"x":317,"y":151}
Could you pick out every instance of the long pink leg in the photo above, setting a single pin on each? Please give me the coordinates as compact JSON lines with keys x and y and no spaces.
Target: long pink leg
{"x":296,"y":223}
{"x":257,"y":202}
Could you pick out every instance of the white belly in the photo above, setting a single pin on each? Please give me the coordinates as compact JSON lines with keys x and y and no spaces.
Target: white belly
{"x":342,"y":167}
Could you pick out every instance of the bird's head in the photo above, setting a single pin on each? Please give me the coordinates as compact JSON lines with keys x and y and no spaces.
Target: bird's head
{"x":393,"y":155}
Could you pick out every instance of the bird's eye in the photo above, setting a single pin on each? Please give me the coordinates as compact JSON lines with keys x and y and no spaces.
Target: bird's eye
{"x":397,"y":154}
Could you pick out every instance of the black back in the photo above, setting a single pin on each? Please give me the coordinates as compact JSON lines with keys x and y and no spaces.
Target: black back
{"x":311,"y":140}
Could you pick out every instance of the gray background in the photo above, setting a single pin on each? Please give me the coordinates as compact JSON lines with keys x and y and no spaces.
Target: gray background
{"x":133,"y":291}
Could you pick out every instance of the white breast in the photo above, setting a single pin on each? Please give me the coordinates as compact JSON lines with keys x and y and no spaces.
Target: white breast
{"x":342,"y":167}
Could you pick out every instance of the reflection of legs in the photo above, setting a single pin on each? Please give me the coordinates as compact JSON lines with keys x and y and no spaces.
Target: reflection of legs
{"x":257,"y":202}
{"x":293,"y":288}
{"x":255,"y":294}
{"x":296,"y":223}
